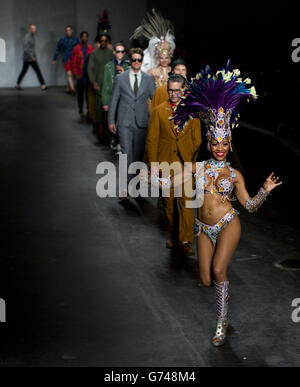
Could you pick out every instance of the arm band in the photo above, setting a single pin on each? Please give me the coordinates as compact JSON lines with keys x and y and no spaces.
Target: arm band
{"x":253,"y":204}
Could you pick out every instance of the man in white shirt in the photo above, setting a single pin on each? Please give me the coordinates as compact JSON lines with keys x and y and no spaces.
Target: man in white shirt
{"x":129,"y":104}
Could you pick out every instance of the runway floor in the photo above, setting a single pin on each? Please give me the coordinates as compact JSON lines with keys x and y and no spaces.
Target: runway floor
{"x":89,"y":282}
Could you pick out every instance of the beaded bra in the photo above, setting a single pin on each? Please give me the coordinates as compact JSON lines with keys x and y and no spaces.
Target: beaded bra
{"x":212,"y":168}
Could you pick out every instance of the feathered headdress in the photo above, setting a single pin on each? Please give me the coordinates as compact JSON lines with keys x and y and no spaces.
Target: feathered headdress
{"x":215,"y":99}
{"x":103,"y":24}
{"x":160,"y":33}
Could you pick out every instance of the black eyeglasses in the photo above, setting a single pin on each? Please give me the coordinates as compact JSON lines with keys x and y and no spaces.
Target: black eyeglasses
{"x":137,"y":60}
{"x":175,"y":91}
{"x":120,"y":52}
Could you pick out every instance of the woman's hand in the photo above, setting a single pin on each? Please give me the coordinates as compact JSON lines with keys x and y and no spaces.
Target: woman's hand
{"x":271,"y":182}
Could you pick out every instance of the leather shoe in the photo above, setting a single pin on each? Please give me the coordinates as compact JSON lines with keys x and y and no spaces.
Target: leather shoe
{"x":170,"y":243}
{"x":187,"y":250}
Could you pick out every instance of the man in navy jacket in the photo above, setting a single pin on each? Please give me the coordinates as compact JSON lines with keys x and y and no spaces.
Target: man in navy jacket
{"x":66,"y":45}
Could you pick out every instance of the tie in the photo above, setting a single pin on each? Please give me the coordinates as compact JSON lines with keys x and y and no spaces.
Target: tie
{"x":136,"y":85}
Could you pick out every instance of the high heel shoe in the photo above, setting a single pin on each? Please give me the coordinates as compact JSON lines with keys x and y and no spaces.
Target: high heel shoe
{"x":220,"y":334}
{"x":222,"y":297}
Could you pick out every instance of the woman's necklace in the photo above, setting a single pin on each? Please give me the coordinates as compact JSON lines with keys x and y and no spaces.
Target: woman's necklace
{"x":213,"y":167}
{"x":163,"y":72}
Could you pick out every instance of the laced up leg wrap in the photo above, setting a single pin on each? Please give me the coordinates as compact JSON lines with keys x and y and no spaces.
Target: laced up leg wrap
{"x":222,"y":298}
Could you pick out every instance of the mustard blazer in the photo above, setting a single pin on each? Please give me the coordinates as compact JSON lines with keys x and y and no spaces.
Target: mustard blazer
{"x":161,"y":95}
{"x":163,"y":144}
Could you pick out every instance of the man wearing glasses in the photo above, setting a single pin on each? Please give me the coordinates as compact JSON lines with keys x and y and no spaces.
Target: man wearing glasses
{"x":129,"y":110}
{"x":111,"y":70}
{"x":97,"y":60}
{"x":166,"y":144}
{"x":161,"y":94}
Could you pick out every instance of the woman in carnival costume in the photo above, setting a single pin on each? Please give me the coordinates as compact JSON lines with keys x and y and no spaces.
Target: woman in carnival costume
{"x":216,"y":99}
{"x":158,"y":55}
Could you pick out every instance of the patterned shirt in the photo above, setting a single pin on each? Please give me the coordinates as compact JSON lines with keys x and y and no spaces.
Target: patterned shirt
{"x":80,"y":59}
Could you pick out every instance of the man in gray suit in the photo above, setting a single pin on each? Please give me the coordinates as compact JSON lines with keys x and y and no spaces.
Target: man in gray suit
{"x":129,"y":103}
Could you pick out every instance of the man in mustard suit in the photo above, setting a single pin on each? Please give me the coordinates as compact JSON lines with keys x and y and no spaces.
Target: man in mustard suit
{"x":161,"y":95}
{"x":164,"y":144}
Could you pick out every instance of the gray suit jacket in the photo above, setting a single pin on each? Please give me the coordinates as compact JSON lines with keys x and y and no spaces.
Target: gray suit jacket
{"x":131,"y":109}
{"x":29,"y":47}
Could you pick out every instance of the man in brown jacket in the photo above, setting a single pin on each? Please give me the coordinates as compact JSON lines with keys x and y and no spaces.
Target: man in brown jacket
{"x":161,"y":93}
{"x":164,"y":144}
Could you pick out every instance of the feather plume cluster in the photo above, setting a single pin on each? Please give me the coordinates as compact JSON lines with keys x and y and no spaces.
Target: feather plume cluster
{"x":207,"y":93}
{"x":153,"y":26}
{"x":103,"y":23}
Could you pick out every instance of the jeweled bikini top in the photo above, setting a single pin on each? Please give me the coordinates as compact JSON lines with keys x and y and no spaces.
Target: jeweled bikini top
{"x":225,"y":186}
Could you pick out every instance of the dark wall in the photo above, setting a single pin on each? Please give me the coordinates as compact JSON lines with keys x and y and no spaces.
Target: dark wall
{"x":251,"y":32}
{"x":51,"y":17}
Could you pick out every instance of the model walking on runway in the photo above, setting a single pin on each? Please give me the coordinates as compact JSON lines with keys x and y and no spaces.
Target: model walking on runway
{"x":216,"y":98}
{"x":66,"y":45}
{"x":30,"y":58}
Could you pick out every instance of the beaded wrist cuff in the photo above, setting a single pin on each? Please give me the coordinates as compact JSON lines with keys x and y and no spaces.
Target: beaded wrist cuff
{"x":253,"y":204}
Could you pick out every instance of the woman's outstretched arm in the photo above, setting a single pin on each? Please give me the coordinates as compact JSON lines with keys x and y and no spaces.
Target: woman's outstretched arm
{"x":253,"y":204}
{"x":183,"y":175}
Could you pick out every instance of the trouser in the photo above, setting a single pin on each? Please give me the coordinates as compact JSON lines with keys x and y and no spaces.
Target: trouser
{"x":116,"y":137}
{"x":185,"y":215}
{"x":82,"y":91}
{"x":99,"y":109}
{"x":36,"y":68}
{"x":101,"y":119}
{"x":92,"y":103}
{"x":132,"y":140}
